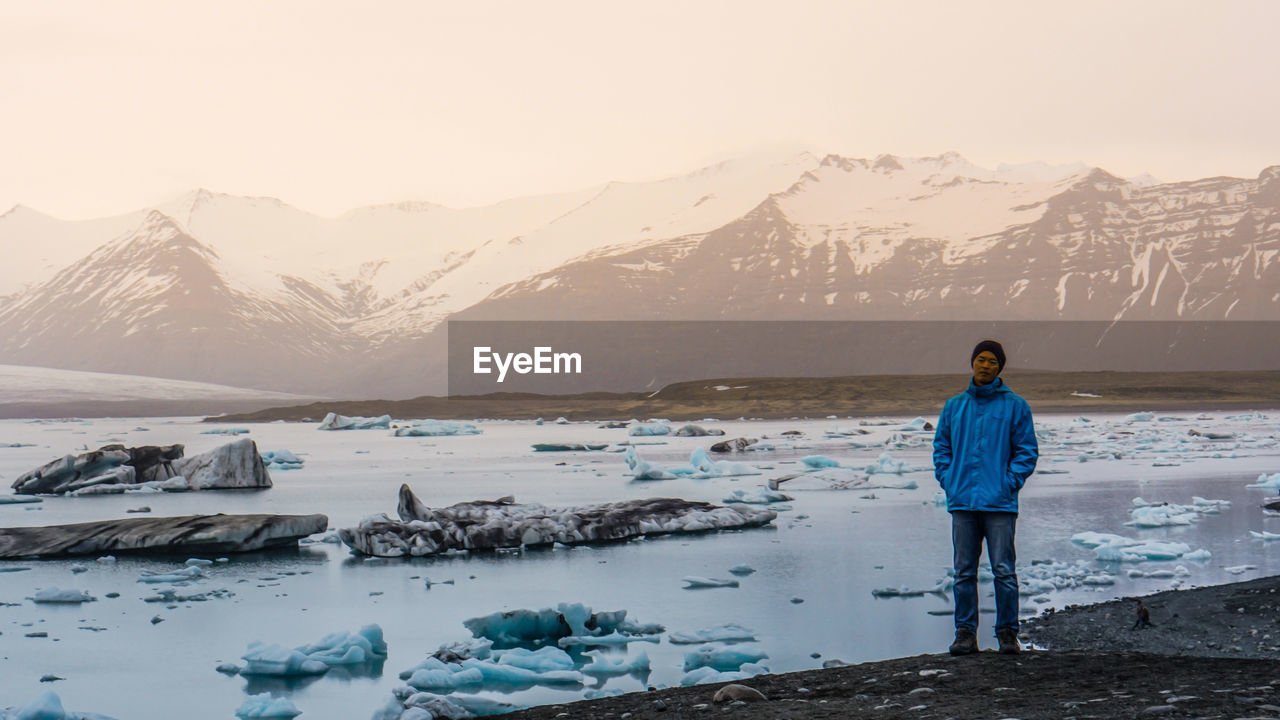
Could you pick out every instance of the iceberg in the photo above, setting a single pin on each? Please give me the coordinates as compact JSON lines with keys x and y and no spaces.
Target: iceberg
{"x":696,"y":431}
{"x":264,"y":706}
{"x":191,"y":572}
{"x":54,"y":596}
{"x":1269,"y":483}
{"x":886,"y":465}
{"x":234,"y":465}
{"x":108,"y":465}
{"x":548,"y":625}
{"x":333,"y":421}
{"x":723,"y":658}
{"x":47,"y":707}
{"x":544,"y":659}
{"x":203,"y":534}
{"x":649,"y":429}
{"x":568,"y":447}
{"x":728,"y":633}
{"x":642,"y":469}
{"x":694,"y":582}
{"x":340,"y":648}
{"x":436,"y":428}
{"x":614,"y":639}
{"x":279,"y":661}
{"x":603,"y":665}
{"x":226,"y":431}
{"x":706,"y":675}
{"x":482,"y":525}
{"x":815,"y":462}
{"x":281,"y":460}
{"x":761,"y":496}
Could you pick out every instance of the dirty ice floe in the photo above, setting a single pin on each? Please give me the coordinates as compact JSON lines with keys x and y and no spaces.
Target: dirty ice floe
{"x":333,"y":421}
{"x":47,"y":707}
{"x":483,"y":525}
{"x":436,"y":428}
{"x":842,"y":478}
{"x":760,"y":496}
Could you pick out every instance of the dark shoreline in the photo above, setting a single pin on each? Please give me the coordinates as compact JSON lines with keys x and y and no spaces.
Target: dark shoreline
{"x":851,"y":396}
{"x":1095,"y":668}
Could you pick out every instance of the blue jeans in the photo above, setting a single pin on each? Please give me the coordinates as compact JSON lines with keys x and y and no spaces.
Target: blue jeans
{"x":968,"y":530}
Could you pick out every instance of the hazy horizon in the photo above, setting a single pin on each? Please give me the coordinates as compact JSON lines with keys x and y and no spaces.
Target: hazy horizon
{"x":336,"y":106}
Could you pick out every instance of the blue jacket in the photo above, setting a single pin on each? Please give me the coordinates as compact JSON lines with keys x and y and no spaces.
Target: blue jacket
{"x":984,"y":448}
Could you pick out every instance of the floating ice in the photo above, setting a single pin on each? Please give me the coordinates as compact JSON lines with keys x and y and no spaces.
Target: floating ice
{"x":1264,"y":535}
{"x":436,"y":428}
{"x":543,"y":659}
{"x":16,"y":499}
{"x":723,"y":658}
{"x":841,"y":478}
{"x":729,"y":633}
{"x":649,"y":429}
{"x":917,"y":425}
{"x":191,"y":572}
{"x":888,"y":466}
{"x":693,"y":582}
{"x":604,"y":665}
{"x":333,"y":421}
{"x":1240,"y":569}
{"x":696,"y":431}
{"x":760,"y":496}
{"x":493,"y":525}
{"x":281,"y":460}
{"x":279,"y":661}
{"x":54,"y":596}
{"x":1140,"y":417}
{"x":315,"y":659}
{"x":568,"y":447}
{"x":643,"y":469}
{"x":1270,"y":483}
{"x":226,"y":431}
{"x":706,"y":675}
{"x":819,"y":461}
{"x":264,"y":706}
{"x":742,"y":569}
{"x":47,"y":707}
{"x":614,"y":639}
{"x":516,"y":627}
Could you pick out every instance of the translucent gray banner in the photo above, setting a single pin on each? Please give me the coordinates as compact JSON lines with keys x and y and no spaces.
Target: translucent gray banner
{"x":560,"y":357}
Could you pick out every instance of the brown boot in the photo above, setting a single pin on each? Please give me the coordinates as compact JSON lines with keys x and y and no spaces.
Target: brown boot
{"x":1008,"y":638}
{"x":966,"y":642}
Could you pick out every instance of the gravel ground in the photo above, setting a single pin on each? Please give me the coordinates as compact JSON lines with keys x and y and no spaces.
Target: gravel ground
{"x":1214,"y":653}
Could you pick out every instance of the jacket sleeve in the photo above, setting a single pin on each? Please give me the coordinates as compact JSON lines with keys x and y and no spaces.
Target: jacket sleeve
{"x":1025,"y":449}
{"x":942,"y":444}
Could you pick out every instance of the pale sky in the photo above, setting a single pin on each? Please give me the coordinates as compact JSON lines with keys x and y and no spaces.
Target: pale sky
{"x":111,"y":106}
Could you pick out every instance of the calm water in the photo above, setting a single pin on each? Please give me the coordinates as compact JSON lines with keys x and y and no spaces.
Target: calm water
{"x":831,"y":549}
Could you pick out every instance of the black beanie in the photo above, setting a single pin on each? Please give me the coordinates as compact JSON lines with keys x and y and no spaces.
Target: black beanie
{"x":995,"y":349}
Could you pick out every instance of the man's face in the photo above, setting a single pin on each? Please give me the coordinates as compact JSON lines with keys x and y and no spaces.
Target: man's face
{"x":985,"y":368}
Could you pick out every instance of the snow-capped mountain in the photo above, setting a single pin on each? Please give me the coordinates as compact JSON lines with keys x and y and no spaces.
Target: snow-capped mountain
{"x":255,"y":293}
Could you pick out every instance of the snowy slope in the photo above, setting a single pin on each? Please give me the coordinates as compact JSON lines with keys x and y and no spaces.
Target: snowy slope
{"x":35,"y":246}
{"x":21,"y":384}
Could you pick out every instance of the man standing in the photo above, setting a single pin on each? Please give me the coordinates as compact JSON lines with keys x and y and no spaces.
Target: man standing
{"x":983,"y":451}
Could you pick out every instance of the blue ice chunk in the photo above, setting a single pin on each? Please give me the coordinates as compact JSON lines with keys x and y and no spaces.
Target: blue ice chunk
{"x":344,"y":648}
{"x":721,"y":633}
{"x":696,"y":582}
{"x":54,"y":596}
{"x":649,"y":429}
{"x":723,"y":658}
{"x":742,"y":569}
{"x":761,"y":496}
{"x":191,"y":572}
{"x":48,"y":706}
{"x":644,"y":470}
{"x":226,"y":431}
{"x":1140,"y":417}
{"x":603,"y":665}
{"x":815,"y":462}
{"x":280,"y":661}
{"x":437,"y":428}
{"x":281,"y":460}
{"x":264,"y":706}
{"x":1270,"y":483}
{"x":543,"y":659}
{"x":705,"y":675}
{"x":612,"y":639}
{"x":886,"y":465}
{"x":495,"y":674}
{"x":333,"y":421}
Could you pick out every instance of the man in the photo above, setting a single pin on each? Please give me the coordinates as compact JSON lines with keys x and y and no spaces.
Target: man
{"x":984,"y":449}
